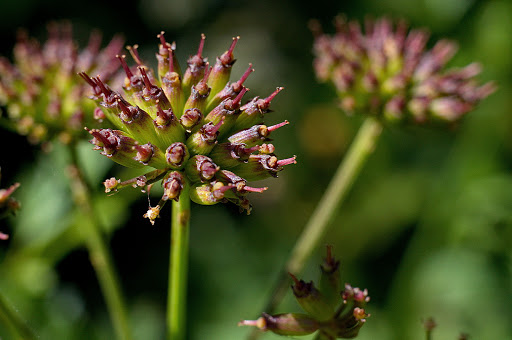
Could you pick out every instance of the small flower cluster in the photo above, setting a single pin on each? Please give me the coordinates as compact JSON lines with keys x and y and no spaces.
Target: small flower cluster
{"x":8,"y":205}
{"x":388,"y":72}
{"x":41,"y":91}
{"x":190,"y":126}
{"x":331,"y":316}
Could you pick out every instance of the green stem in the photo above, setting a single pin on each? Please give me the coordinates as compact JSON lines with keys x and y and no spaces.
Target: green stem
{"x":99,"y":254}
{"x":12,"y":319}
{"x":178,"y":267}
{"x":361,"y":148}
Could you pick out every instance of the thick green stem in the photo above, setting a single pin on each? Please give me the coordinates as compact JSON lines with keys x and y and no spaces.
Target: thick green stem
{"x":362,"y":146}
{"x":99,"y":254}
{"x":178,"y":267}
{"x":12,"y":319}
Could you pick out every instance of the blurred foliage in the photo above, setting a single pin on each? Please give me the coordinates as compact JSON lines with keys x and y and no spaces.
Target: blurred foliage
{"x":427,"y":227}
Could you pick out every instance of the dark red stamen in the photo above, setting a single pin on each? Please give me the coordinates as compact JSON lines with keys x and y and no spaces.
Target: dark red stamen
{"x":277,"y":126}
{"x":238,"y":98}
{"x":87,"y":79}
{"x":266,"y":102}
{"x":145,"y":78}
{"x":126,"y":110}
{"x":217,"y":126}
{"x":135,"y":53}
{"x":201,"y":45}
{"x":237,"y":86}
{"x":122,"y":60}
{"x":162,"y":38}
{"x":106,"y":91}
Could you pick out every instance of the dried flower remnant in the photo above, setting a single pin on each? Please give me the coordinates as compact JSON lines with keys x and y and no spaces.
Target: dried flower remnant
{"x":190,"y":126}
{"x":333,"y":316}
{"x":43,"y":95}
{"x":8,"y":205}
{"x":387,"y":71}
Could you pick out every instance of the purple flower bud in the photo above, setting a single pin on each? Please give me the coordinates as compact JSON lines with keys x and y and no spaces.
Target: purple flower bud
{"x":203,"y":141}
{"x":191,"y":118}
{"x":177,"y":155}
{"x":173,"y":184}
{"x":201,"y":169}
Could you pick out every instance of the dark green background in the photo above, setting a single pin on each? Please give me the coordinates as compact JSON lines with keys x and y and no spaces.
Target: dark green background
{"x":427,"y":227}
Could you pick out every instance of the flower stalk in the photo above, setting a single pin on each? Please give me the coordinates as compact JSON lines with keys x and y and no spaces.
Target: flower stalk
{"x":13,"y":320}
{"x":99,"y":254}
{"x":362,"y":147}
{"x":178,"y":267}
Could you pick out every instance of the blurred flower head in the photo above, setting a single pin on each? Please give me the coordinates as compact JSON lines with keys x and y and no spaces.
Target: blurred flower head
{"x":8,"y":205}
{"x":331,"y":310}
{"x":387,"y":71}
{"x":189,"y":125}
{"x":43,"y":95}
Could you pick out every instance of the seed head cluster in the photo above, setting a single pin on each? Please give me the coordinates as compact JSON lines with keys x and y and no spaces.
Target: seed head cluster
{"x":189,"y":125}
{"x":41,"y":91}
{"x":387,"y":71}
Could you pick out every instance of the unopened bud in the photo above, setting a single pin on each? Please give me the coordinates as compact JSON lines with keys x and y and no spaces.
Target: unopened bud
{"x":173,"y":184}
{"x":201,"y":169}
{"x":177,"y":155}
{"x":311,"y":300}
{"x":291,"y":324}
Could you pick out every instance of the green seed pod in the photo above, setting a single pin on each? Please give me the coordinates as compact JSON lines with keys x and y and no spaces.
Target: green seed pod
{"x":209,"y":193}
{"x":219,"y":76}
{"x":202,"y":142}
{"x":148,"y":154}
{"x":199,"y":93}
{"x":259,"y":167}
{"x":311,"y":300}
{"x":167,"y":127}
{"x":230,"y":91}
{"x":252,"y":113}
{"x":116,"y":145}
{"x":255,"y":134}
{"x":171,"y":85}
{"x":195,"y":70}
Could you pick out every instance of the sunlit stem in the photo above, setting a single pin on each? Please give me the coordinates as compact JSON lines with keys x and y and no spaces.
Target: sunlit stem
{"x":362,"y":147}
{"x":178,"y":267}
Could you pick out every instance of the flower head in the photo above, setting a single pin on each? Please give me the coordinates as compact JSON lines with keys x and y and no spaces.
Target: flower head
{"x":388,"y":72}
{"x":189,"y":125}
{"x":42,"y":93}
{"x":334,"y":316}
